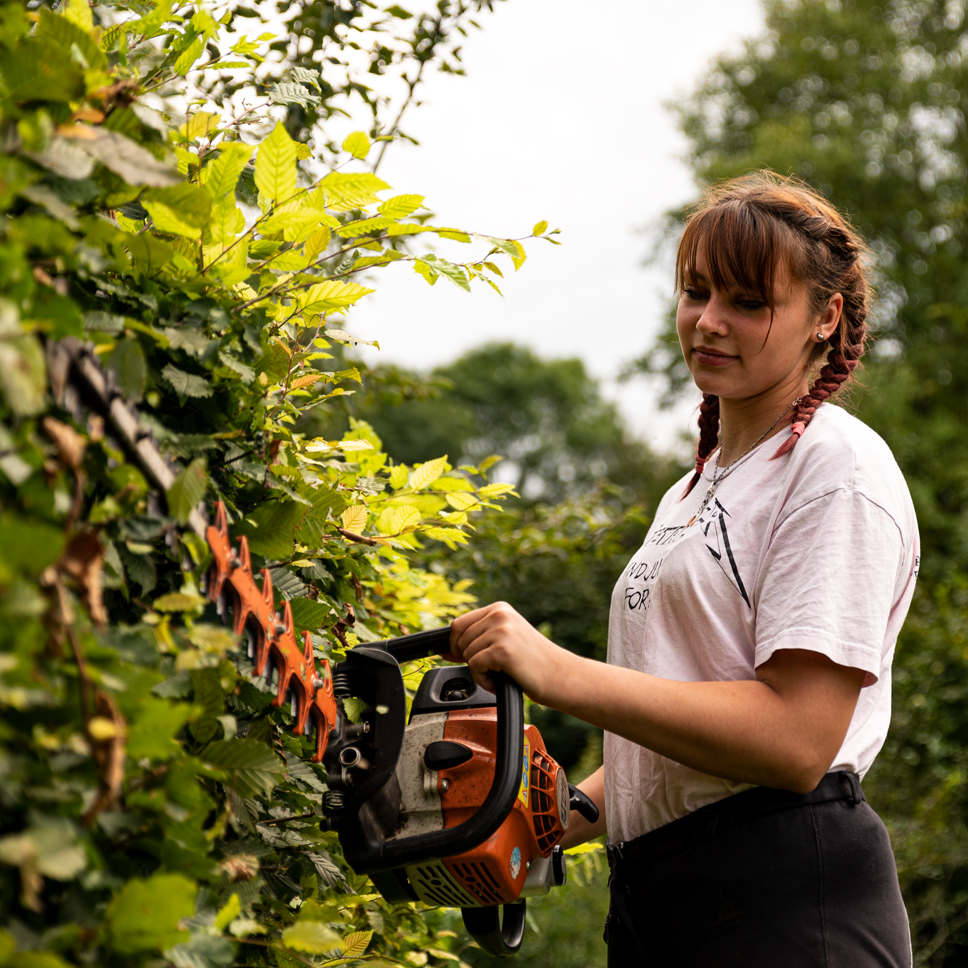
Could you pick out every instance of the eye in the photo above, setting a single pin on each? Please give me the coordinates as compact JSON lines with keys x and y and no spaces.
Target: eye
{"x":694,"y":292}
{"x":750,"y":303}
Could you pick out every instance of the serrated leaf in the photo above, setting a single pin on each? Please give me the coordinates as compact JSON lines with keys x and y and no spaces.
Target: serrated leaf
{"x":304,"y":76}
{"x":396,"y":518}
{"x":311,"y":937}
{"x":445,"y":534}
{"x":188,"y":490}
{"x":255,"y":769}
{"x":355,"y":944}
{"x":354,"y":518}
{"x":186,"y":59}
{"x":199,"y":125}
{"x":222,"y":175}
{"x":127,"y":362}
{"x":179,"y":602}
{"x":136,"y":165}
{"x":180,"y":210}
{"x":357,"y":144}
{"x":401,"y":206}
{"x":275,"y":165}
{"x":362,"y":226}
{"x":287,"y":92}
{"x":145,"y":914}
{"x":427,"y":473}
{"x":493,"y":490}
{"x":510,"y":247}
{"x":78,"y":12}
{"x":347,"y":190}
{"x":317,"y":243}
{"x":271,"y":528}
{"x":461,"y":502}
{"x":326,"y":870}
{"x":332,"y":294}
{"x":308,"y":614}
{"x":187,"y":384}
{"x":398,"y":476}
{"x":540,"y":228}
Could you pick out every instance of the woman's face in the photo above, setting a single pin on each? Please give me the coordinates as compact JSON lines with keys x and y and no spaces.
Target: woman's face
{"x":730,"y":346}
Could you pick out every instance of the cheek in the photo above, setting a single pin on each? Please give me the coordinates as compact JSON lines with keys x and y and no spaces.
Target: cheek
{"x":684,"y":325}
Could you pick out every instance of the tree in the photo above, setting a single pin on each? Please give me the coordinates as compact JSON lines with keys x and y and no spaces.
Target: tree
{"x":547,"y":418}
{"x":867,"y":103}
{"x":156,"y":806}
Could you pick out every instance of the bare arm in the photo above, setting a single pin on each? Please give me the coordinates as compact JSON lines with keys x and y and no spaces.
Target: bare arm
{"x":781,"y":730}
{"x":579,"y":830}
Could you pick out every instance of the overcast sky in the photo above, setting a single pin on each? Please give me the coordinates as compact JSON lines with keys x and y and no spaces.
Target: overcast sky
{"x":561,"y":117}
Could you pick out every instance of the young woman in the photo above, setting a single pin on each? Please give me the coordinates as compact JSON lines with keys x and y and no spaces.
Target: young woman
{"x":748,"y":682}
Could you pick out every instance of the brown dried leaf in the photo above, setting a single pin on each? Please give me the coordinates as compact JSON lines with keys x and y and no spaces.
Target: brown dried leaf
{"x":83,"y":560}
{"x":70,"y":444}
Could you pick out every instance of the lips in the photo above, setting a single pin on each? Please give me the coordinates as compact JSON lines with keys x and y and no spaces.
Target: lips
{"x":710,"y":357}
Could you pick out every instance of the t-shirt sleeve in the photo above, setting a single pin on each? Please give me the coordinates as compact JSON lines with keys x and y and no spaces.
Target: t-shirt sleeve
{"x":828,"y":582}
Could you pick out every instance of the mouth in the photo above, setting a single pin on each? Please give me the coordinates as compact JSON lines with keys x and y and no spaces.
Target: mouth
{"x":711,"y":357}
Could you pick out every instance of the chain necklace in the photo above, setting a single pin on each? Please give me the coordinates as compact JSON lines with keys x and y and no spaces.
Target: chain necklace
{"x":719,"y":477}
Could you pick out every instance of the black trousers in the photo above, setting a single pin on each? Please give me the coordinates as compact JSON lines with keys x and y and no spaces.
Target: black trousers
{"x":762,"y":879}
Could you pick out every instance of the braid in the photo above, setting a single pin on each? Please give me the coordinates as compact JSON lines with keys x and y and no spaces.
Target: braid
{"x":708,"y":436}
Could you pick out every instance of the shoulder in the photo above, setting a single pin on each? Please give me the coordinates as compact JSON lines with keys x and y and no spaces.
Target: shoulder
{"x":840,"y":452}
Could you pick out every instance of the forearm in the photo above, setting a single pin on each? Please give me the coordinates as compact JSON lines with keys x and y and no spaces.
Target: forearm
{"x":580,"y":830}
{"x":739,"y":730}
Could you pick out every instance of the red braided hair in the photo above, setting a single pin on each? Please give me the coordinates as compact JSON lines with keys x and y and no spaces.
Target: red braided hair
{"x":747,"y":228}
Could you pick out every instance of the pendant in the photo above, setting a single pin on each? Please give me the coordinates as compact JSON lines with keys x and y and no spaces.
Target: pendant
{"x":705,"y":504}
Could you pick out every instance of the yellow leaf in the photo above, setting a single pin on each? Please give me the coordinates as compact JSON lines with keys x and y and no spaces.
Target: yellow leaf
{"x":540,"y":228}
{"x":348,"y":190}
{"x":354,"y":518}
{"x":400,"y":206}
{"x":331,"y":294}
{"x":222,"y":175}
{"x":304,"y":381}
{"x":199,"y":125}
{"x":357,"y":144}
{"x":313,"y":937}
{"x":493,"y":490}
{"x":398,"y":476}
{"x":352,"y":445}
{"x":102,"y":728}
{"x":78,"y":12}
{"x":228,"y":913}
{"x":356,"y":943}
{"x":427,"y":473}
{"x":275,"y":165}
{"x":317,"y":243}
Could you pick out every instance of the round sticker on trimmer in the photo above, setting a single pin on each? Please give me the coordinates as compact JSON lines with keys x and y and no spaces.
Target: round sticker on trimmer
{"x":515,"y":863}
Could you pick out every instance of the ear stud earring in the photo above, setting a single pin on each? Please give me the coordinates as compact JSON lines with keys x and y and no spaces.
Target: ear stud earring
{"x":820,"y":336}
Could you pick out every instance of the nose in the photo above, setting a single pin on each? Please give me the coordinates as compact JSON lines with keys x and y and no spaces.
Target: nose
{"x":712,"y":321}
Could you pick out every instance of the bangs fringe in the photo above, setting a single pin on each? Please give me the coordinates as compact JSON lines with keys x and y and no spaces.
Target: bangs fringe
{"x":742,"y":247}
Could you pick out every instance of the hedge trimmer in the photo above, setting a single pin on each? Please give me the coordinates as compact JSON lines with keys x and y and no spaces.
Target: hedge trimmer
{"x":462,"y":805}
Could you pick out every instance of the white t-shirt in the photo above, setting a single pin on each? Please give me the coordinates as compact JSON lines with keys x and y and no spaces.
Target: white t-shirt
{"x":816,"y":550}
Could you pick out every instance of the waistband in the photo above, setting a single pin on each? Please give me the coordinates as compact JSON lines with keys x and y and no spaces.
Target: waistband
{"x":716,"y":818}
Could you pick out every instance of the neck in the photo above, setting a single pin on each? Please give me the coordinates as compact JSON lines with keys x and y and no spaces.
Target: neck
{"x":743,"y":422}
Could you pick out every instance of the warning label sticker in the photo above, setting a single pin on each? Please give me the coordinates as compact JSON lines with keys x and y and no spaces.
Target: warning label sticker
{"x":524,"y":792}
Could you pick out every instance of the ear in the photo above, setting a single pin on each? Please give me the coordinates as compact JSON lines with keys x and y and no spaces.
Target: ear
{"x":829,"y":319}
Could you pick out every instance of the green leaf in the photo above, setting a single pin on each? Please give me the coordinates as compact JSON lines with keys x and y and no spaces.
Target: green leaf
{"x":347,"y":190}
{"x":228,"y":913}
{"x":188,"y":490}
{"x":271,"y":528}
{"x":357,"y":144}
{"x":308,"y":615}
{"x":144,"y":915}
{"x":181,"y":210}
{"x":186,"y":60}
{"x":136,"y":165}
{"x":29,"y":546}
{"x":312,"y":937}
{"x":152,"y":735}
{"x":23,"y":374}
{"x":275,"y":165}
{"x":331,"y":294}
{"x":202,"y":951}
{"x":286,"y":92}
{"x":187,"y":384}
{"x":222,"y":175}
{"x":255,"y":769}
{"x":400,"y":205}
{"x":127,"y":362}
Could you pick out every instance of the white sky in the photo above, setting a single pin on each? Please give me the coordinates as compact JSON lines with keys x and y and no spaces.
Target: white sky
{"x":561,"y":117}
